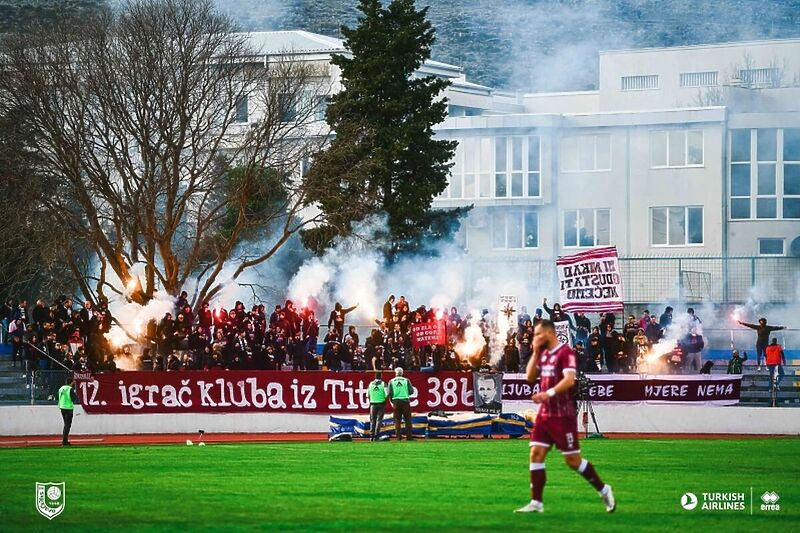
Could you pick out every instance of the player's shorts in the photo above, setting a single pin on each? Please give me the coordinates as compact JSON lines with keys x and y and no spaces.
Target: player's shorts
{"x":561,"y":431}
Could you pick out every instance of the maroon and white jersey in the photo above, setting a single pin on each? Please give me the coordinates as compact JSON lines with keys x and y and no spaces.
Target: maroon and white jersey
{"x":552,"y":366}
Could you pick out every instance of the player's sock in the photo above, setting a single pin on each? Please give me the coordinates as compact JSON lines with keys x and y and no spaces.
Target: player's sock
{"x":538,"y":479}
{"x":586,"y":469}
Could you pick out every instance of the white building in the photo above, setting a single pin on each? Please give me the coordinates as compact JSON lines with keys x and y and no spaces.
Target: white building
{"x":683,"y":152}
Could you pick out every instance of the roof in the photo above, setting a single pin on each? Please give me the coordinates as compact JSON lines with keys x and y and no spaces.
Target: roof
{"x":294,"y":41}
{"x":728,"y":44}
{"x":306,"y":42}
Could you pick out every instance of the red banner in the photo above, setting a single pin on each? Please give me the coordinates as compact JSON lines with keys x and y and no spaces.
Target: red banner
{"x":633,"y":388}
{"x":428,"y":334}
{"x":261,"y":391}
{"x":346,"y":392}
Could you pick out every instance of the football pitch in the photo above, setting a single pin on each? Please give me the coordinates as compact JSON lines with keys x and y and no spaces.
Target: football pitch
{"x":438,"y":485}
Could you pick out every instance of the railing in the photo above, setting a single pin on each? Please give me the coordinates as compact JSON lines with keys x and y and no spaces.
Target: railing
{"x":655,"y":280}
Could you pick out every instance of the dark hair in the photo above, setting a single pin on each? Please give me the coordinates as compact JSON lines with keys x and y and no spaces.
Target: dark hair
{"x":546,"y":324}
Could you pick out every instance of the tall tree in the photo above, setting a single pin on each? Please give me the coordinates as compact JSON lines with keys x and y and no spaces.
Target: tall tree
{"x":166,"y":147}
{"x":384,"y":158}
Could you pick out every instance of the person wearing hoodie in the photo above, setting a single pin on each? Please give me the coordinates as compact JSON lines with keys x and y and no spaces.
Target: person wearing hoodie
{"x":336,"y":319}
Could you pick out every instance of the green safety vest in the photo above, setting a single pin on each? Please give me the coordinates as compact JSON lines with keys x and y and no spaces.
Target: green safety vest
{"x":400,"y":386}
{"x":377,"y":392}
{"x":65,"y":398}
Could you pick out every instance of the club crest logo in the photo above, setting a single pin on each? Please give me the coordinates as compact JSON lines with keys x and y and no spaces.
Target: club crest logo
{"x":50,"y":499}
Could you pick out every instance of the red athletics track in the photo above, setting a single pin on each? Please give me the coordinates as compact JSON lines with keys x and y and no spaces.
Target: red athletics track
{"x":181,"y":438}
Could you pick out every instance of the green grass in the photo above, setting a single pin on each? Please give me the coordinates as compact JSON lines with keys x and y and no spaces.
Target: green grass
{"x":418,"y":486}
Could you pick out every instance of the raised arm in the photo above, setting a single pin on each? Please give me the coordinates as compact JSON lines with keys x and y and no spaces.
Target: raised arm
{"x":532,"y":370}
{"x":745,"y":324}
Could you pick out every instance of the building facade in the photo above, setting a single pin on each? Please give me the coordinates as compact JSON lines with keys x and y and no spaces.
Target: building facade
{"x":687,"y":156}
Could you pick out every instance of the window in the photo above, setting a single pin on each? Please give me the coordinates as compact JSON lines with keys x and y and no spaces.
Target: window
{"x":586,"y":153}
{"x":586,"y":227}
{"x":501,"y":167}
{"x":515,"y":230}
{"x":320,"y":107}
{"x":676,"y":226}
{"x":639,"y":83}
{"x":770,"y":247}
{"x":463,"y":111}
{"x":740,"y":174}
{"x":241,"y":115}
{"x":791,"y":173}
{"x":286,"y":108}
{"x":699,"y":79}
{"x":760,"y":77}
{"x":765,"y":174}
{"x":676,"y":148}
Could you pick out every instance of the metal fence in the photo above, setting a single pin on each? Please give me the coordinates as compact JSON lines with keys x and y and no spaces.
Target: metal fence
{"x":649,"y":280}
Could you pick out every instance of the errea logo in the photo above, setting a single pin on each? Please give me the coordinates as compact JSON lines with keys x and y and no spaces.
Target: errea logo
{"x":770,"y":499}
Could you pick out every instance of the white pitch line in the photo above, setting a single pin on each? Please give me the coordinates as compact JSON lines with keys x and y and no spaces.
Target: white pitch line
{"x":51,"y":441}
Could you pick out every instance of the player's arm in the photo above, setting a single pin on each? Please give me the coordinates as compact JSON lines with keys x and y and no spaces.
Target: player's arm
{"x":566,"y":383}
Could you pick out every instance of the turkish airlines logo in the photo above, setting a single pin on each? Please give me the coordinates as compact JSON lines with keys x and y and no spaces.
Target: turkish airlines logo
{"x":689,"y":501}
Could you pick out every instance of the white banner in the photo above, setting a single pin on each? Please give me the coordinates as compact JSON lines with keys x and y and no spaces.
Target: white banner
{"x":590,"y":281}
{"x":507,"y":312}
{"x":563,"y":333}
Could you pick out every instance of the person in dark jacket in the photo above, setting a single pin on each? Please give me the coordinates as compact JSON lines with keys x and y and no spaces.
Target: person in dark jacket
{"x":762,"y":336}
{"x":511,"y":356}
{"x":594,"y":355}
{"x":582,"y":328}
{"x":653,"y":331}
{"x":336,"y":319}
{"x":556,"y":314}
{"x":665,"y":320}
{"x":736,"y":362}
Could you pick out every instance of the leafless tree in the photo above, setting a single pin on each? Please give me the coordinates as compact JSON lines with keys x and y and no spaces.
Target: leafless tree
{"x":148,"y":165}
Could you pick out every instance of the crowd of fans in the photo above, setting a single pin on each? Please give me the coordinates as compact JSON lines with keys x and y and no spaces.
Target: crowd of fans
{"x":288,"y":337}
{"x":610,"y":346}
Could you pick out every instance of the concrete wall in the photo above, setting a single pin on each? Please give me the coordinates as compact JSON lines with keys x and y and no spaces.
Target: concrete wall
{"x":668,"y":63}
{"x":46,"y":420}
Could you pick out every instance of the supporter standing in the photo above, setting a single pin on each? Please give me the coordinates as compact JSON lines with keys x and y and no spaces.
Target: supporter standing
{"x":735,"y":364}
{"x":377,"y":406}
{"x":762,"y":336}
{"x":66,"y":403}
{"x":665,"y":320}
{"x":582,"y":328}
{"x":400,"y":391}
{"x":336,"y":319}
{"x":776,"y":358}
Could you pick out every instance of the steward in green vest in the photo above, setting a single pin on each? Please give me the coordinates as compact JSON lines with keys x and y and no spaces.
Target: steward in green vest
{"x":67,"y":397}
{"x":377,"y":406}
{"x":400,"y":391}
